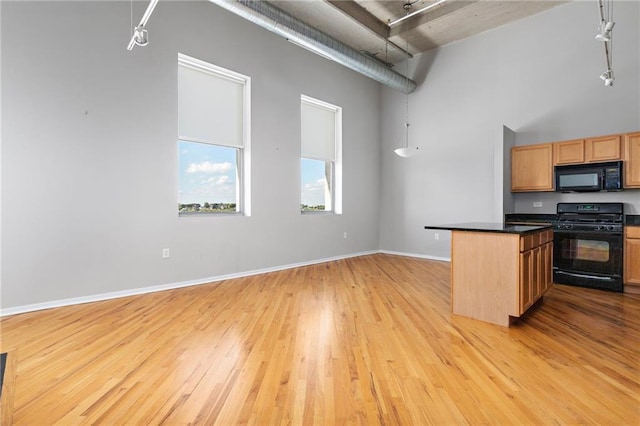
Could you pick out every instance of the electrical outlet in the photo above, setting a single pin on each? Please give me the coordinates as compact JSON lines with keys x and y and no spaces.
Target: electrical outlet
{"x":344,"y":235}
{"x":165,"y":253}
{"x":436,"y":236}
{"x":537,"y":204}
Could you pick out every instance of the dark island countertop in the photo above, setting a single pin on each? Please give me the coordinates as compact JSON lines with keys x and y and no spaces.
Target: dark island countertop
{"x":500,"y":227}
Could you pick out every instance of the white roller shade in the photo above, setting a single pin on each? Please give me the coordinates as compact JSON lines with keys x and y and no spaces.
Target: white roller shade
{"x":318,"y":131}
{"x":210,"y":106}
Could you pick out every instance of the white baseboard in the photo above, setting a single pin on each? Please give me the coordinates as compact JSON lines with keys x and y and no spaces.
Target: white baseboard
{"x":153,"y":289}
{"x":420,"y":256}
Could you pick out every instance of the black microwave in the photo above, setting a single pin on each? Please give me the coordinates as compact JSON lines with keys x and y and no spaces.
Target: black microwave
{"x":589,"y":177}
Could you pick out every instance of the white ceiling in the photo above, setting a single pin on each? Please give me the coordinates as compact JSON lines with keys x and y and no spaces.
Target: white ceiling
{"x":364,"y":24}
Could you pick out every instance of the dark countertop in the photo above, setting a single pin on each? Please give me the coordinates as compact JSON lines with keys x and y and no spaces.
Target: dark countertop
{"x":632,"y":220}
{"x":499,"y":227}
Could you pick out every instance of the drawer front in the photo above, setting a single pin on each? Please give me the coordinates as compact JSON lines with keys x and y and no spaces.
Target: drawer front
{"x":633,"y":231}
{"x":528,"y":242}
{"x":531,"y":241}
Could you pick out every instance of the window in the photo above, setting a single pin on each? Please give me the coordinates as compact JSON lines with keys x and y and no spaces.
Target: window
{"x":321,"y":156}
{"x":213,"y":139}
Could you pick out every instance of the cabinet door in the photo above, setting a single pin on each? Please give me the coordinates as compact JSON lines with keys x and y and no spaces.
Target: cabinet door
{"x":632,"y":260}
{"x":547,"y":267}
{"x":606,"y":148}
{"x":532,"y":168}
{"x":537,"y":276}
{"x":632,"y":160}
{"x":526,"y":280}
{"x":568,"y":152}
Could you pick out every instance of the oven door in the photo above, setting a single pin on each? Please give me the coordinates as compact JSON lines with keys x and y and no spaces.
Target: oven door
{"x":588,"y":258}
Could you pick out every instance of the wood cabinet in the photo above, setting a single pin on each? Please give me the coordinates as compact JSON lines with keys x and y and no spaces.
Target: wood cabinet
{"x":532,"y":168}
{"x":632,"y":259}
{"x":632,"y":160}
{"x":496,"y":277}
{"x":536,"y":263}
{"x":568,"y":152}
{"x":592,"y":150}
{"x":532,"y":165}
{"x":605,"y":148}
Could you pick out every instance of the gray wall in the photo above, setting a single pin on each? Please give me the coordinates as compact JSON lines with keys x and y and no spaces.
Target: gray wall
{"x":89,"y":151}
{"x":538,"y":76}
{"x":89,"y":165}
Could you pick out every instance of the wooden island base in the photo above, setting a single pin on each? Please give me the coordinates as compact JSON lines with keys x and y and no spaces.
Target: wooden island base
{"x":495,"y":276}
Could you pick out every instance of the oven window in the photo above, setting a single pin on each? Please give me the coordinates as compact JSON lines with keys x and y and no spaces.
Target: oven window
{"x":589,"y":250}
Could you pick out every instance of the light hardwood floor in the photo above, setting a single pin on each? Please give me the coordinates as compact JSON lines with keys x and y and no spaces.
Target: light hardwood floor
{"x":367,"y":340}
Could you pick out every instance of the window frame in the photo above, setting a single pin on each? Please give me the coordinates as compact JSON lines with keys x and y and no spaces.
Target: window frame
{"x":243,"y":152}
{"x":334,"y":181}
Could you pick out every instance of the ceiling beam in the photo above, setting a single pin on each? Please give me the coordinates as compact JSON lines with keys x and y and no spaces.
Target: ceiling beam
{"x":428,"y":16}
{"x":367,"y":20}
{"x":361,"y":16}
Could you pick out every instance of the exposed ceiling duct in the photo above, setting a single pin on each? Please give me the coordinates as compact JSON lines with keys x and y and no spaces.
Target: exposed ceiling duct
{"x":280,"y":22}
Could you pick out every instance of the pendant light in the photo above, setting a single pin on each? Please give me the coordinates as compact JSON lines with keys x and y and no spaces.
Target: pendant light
{"x":406,"y":151}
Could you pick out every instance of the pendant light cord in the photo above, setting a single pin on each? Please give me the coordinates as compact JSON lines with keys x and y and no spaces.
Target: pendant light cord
{"x":406,"y":121}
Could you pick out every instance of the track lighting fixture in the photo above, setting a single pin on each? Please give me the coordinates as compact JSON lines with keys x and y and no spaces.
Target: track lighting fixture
{"x":604,"y":31}
{"x":608,"y":78}
{"x":140,"y":36}
{"x":604,"y":34}
{"x":407,"y":7}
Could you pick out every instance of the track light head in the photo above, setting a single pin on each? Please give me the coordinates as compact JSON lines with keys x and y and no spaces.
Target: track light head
{"x":604,"y":31}
{"x":607,"y":77}
{"x":141,"y":36}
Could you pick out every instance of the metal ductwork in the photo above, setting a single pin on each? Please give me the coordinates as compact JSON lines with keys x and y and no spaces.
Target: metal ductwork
{"x":280,"y":22}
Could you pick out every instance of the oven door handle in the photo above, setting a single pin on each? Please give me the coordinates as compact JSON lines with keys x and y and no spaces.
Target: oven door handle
{"x":584,"y":276}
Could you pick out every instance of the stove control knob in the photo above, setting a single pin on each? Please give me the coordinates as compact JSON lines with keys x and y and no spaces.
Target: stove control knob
{"x":610,"y":227}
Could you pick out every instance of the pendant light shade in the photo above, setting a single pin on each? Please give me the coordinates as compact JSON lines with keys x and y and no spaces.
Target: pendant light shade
{"x":406,"y":151}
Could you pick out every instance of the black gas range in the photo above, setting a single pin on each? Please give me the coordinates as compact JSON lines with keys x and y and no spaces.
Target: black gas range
{"x":588,"y":245}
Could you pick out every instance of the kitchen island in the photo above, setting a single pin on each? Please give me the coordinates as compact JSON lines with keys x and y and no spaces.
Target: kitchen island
{"x":498,"y":271}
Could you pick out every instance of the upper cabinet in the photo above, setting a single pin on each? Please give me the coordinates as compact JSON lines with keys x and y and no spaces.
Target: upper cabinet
{"x":532,"y":168}
{"x":632,"y":160}
{"x":606,"y":148}
{"x":593,"y":150}
{"x":568,"y":152}
{"x":532,"y":165}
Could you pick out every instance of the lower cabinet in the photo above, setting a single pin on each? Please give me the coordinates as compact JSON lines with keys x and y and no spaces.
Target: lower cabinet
{"x":496,"y":277}
{"x":632,"y":259}
{"x":536,"y":262}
